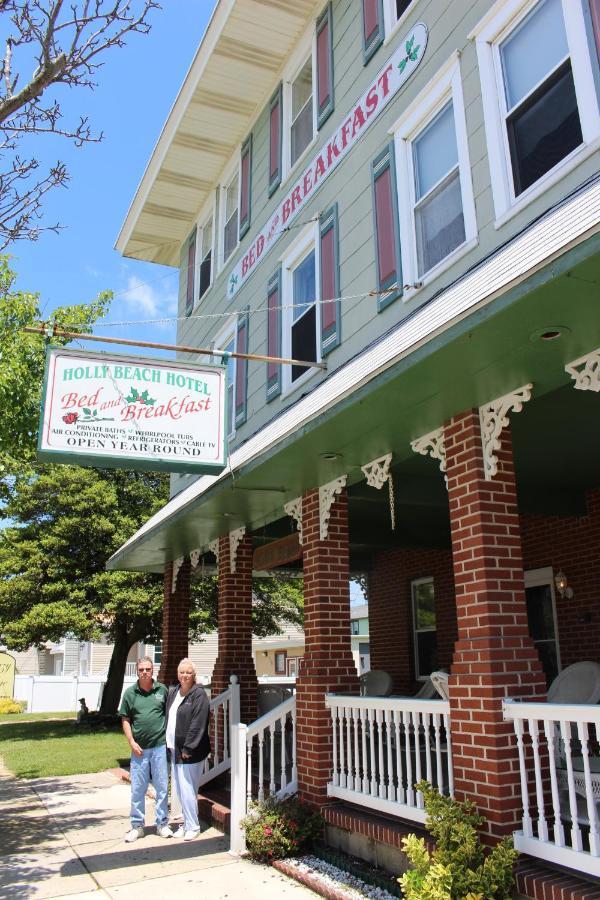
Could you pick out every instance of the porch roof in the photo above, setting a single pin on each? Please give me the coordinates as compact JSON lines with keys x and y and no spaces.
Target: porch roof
{"x":231,"y":77}
{"x":477,"y":340}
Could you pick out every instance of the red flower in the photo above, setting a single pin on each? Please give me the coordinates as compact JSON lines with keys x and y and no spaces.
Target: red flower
{"x":70,"y":418}
{"x":267,"y":830}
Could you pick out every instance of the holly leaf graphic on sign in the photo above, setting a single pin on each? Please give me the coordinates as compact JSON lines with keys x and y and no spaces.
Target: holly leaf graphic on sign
{"x":133,"y":396}
{"x":402,"y":64}
{"x":88,"y":412}
{"x":414,"y":53}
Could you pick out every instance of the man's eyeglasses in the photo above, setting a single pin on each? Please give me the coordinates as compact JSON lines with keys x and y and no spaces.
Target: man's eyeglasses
{"x":144,"y":670}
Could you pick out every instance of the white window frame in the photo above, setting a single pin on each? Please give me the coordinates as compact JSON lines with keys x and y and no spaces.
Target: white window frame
{"x":223,"y":338}
{"x":307,"y":240}
{"x":208,"y":212}
{"x":541,"y":578}
{"x":444,"y":87}
{"x":489,"y":33}
{"x":305,"y":48}
{"x":226,"y":179}
{"x":429,"y":579}
{"x":391,"y":24}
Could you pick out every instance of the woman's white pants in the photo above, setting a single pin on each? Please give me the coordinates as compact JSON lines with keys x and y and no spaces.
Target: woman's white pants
{"x":186,"y":778}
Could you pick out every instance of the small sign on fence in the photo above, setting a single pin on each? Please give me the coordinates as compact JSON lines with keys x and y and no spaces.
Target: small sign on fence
{"x":7,"y":675}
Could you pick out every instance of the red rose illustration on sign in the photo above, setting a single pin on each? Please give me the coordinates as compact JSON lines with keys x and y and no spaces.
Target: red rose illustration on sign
{"x":70,"y":418}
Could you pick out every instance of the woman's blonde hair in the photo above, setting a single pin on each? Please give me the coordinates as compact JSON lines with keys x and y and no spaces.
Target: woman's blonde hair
{"x":188,"y":662}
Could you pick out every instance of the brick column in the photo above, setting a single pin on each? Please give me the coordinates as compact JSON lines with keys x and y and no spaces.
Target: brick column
{"x":235,"y":627}
{"x":328,"y":665}
{"x":494,"y":656}
{"x":175,"y":629}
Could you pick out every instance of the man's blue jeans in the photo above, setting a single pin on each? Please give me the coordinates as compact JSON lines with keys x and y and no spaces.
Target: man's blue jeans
{"x":151,"y":766}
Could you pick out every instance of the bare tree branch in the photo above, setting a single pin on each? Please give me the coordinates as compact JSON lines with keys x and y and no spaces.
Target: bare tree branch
{"x":67,"y":44}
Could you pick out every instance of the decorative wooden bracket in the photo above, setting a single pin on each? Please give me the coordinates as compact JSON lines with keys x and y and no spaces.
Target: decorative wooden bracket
{"x":327,"y":494}
{"x":493,"y":417}
{"x":294,"y":510}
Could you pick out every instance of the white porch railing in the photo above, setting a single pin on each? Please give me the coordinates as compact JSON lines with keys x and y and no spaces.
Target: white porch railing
{"x":263,"y":763}
{"x":559,"y":756}
{"x":131,"y":670}
{"x":382,"y":746}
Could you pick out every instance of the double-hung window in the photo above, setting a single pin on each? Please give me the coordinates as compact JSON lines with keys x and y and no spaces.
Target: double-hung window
{"x":539,"y":100}
{"x":230,"y":205}
{"x":302,"y":127}
{"x":205,"y":242}
{"x":435,"y":194}
{"x":301,"y":322}
{"x":424,"y":627}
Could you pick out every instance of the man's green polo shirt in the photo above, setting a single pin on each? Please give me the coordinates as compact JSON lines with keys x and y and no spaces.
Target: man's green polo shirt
{"x":146,"y":712}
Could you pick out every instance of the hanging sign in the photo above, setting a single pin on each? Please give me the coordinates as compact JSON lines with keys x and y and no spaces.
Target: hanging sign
{"x":7,"y":675}
{"x":383,"y":87}
{"x":130,"y":412}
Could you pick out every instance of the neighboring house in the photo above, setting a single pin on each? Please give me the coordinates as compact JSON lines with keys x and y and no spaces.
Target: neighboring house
{"x":404,"y":198}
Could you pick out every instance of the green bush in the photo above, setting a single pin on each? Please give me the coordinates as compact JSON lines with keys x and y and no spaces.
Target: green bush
{"x":7,"y":705}
{"x":459,"y":868}
{"x":275,"y":829}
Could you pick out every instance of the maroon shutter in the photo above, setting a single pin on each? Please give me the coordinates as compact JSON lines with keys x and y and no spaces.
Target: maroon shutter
{"x":275,"y":113}
{"x":324,"y":66}
{"x":241,"y":370}
{"x":330,"y":281}
{"x":595,"y":14}
{"x":245,"y":186}
{"x":372,"y":11}
{"x":274,"y":334}
{"x":386,"y":229}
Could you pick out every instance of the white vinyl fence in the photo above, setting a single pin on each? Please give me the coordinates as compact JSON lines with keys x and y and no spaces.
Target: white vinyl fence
{"x":61,"y":693}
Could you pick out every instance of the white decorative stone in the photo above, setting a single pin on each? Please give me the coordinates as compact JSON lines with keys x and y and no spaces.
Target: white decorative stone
{"x":327,"y":494}
{"x":235,"y":538}
{"x":294,"y":510}
{"x":214,"y":548}
{"x":493,"y":418}
{"x":432,"y":444}
{"x":177,"y":564}
{"x":195,"y":557}
{"x":585,"y":372}
{"x":377,"y":472}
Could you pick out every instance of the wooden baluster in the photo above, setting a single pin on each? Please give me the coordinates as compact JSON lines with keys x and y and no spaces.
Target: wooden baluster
{"x":272,"y":758}
{"x":357,"y":774}
{"x":583,"y":732}
{"x":249,"y":771}
{"x":381,"y":773}
{"x":438,"y":753}
{"x":391,"y":788}
{"x":410,"y":788}
{"x":363,"y":743}
{"x":282,"y":756}
{"x":350,"y":761}
{"x":336,"y":771}
{"x":373,"y":766}
{"x":261,"y":774}
{"x":426,"y":720}
{"x":550,"y":732}
{"x":527,"y":823}
{"x":226,"y":729}
{"x":542,"y":827}
{"x":217,"y":757}
{"x":449,"y":755}
{"x":418,"y":772}
{"x":343,"y":780}
{"x":400,"y":789}
{"x":576,"y":842}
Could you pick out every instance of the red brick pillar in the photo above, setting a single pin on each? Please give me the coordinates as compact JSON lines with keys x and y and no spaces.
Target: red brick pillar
{"x":494,"y":656}
{"x":235,"y":627}
{"x":328,"y":665}
{"x":176,"y":615}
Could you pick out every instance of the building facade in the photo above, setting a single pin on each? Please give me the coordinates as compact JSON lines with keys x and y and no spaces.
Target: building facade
{"x":402,"y":198}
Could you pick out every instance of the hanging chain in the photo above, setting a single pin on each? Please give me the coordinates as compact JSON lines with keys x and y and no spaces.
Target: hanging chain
{"x":392,"y":500}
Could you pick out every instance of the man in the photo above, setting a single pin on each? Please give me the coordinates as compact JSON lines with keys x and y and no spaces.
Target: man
{"x":142,"y":714}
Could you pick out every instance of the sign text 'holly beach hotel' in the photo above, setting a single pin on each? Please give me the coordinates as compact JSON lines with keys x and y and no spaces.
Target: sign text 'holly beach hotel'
{"x":116,"y":411}
{"x":384,"y":86}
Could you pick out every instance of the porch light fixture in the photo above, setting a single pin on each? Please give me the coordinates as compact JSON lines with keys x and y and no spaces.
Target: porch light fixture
{"x":562,"y":585}
{"x":330,"y":455}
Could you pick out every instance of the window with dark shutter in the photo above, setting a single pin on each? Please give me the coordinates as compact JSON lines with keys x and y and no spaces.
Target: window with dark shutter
{"x":245,"y":185}
{"x":275,"y":133}
{"x":330,"y":280}
{"x":190,"y":273}
{"x":241,"y":370}
{"x":274,"y":334}
{"x":372,"y":13}
{"x":386,"y":229}
{"x":324,"y":66}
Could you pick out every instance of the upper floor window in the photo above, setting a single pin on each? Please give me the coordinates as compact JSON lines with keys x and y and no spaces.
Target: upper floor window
{"x":230,"y":215}
{"x":301,"y":324}
{"x":435,"y":194}
{"x":424,"y":627}
{"x":227,"y":341}
{"x":540,"y":105}
{"x":205,"y":242}
{"x":301,"y":112}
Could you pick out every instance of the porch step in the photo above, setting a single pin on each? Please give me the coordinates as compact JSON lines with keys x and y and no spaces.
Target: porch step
{"x":214,"y":806}
{"x":378,"y":839}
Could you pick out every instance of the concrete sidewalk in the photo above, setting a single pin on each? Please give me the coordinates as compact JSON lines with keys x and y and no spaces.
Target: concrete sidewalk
{"x":63,"y":837}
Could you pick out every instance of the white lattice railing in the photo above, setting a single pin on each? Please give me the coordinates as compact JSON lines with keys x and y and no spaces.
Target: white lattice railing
{"x":263,"y":763}
{"x":559,"y":757}
{"x":382,"y":746}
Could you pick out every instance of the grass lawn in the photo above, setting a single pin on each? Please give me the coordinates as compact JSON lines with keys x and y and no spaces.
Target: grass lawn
{"x":37,"y":749}
{"x":34,"y":717}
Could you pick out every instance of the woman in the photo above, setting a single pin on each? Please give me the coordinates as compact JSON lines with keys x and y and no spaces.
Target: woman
{"x":188,"y":743}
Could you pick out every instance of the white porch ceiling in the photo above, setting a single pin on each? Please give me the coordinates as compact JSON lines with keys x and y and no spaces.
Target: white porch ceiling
{"x":234,"y":72}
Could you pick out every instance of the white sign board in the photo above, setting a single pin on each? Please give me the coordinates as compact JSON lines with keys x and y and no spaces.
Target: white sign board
{"x":112,"y":411}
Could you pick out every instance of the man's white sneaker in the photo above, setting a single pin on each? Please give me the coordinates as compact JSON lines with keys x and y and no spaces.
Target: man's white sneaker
{"x":164,"y":831}
{"x":134,"y":834}
{"x":191,"y":835}
{"x":180,"y":832}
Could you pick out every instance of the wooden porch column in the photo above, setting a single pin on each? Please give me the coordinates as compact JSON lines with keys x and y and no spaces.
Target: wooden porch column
{"x":235,"y":627}
{"x":328,"y":665}
{"x":494,"y":656}
{"x":176,"y":615}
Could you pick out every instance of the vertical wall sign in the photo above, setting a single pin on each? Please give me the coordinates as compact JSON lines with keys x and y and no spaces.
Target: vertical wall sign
{"x":130,"y":412}
{"x":388,"y":81}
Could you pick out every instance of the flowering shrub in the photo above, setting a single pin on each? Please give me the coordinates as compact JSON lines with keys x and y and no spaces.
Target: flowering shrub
{"x":10,"y":706}
{"x":459,"y":868}
{"x":275,"y":829}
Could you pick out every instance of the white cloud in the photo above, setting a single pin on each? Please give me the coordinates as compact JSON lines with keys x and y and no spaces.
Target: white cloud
{"x":147,"y":300}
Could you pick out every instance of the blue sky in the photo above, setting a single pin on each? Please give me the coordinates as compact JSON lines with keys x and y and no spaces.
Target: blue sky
{"x":136,"y":89}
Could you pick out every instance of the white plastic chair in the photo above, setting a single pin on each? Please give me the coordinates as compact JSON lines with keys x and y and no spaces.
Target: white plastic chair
{"x":376,"y":683}
{"x":579,"y":683}
{"x":427,"y":691}
{"x":440,"y":682}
